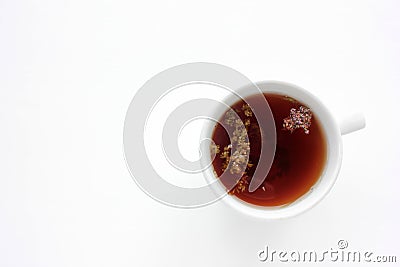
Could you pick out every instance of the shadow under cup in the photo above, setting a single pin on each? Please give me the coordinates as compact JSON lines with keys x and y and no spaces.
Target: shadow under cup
{"x":305,"y":165}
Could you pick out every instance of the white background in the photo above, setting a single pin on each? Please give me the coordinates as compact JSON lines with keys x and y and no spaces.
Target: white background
{"x":69,"y":69}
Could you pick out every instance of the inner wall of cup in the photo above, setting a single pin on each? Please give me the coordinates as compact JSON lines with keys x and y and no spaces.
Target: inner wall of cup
{"x":331,"y":132}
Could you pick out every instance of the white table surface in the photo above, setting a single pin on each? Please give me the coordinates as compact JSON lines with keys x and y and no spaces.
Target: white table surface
{"x":69,"y":70}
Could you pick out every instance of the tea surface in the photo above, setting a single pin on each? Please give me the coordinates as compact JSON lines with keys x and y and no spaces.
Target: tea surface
{"x":299,"y":159}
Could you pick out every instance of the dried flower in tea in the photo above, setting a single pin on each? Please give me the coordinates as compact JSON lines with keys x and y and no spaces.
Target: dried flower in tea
{"x":300,"y":118}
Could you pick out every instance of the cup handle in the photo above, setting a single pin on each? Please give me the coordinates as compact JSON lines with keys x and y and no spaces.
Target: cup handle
{"x":352,"y":123}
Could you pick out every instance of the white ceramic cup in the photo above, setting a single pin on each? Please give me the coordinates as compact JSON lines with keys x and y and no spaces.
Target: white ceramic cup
{"x":333,"y":134}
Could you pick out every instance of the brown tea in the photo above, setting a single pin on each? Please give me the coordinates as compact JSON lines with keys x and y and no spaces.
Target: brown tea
{"x":300,"y":153}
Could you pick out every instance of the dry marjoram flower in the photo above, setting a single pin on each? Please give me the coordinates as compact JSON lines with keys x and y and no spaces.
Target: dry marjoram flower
{"x":298,"y":119}
{"x":240,"y":186}
{"x":247,"y":110}
{"x":236,"y":153}
{"x":214,"y":149}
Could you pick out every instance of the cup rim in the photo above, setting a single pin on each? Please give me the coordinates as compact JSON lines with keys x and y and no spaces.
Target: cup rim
{"x":331,"y":169}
